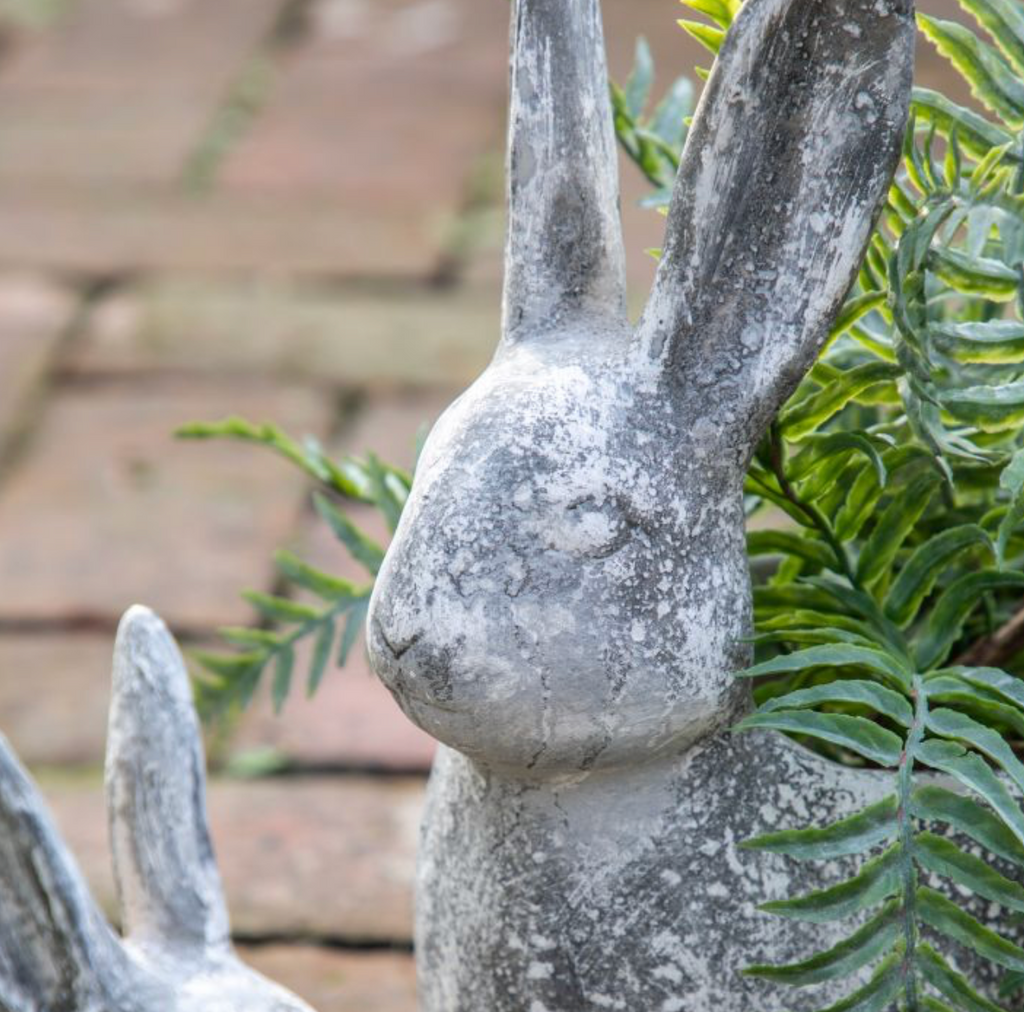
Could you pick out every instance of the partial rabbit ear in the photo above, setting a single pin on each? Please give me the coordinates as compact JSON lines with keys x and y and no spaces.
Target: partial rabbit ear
{"x":564,"y":251}
{"x":790,"y":155}
{"x":56,"y":949}
{"x":167,"y":878}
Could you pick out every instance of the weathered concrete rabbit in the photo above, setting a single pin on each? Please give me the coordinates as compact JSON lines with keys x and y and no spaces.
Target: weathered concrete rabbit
{"x":57,"y":952}
{"x":565,"y":602}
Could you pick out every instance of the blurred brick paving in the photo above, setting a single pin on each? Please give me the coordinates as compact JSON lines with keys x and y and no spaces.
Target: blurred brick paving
{"x":290,"y":210}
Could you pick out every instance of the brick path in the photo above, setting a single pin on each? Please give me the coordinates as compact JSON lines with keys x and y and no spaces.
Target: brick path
{"x":286,"y":209}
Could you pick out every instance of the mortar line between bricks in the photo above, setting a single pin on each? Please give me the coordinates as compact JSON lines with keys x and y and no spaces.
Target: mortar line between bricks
{"x":336,"y":943}
{"x":33,"y":402}
{"x":248,"y":93}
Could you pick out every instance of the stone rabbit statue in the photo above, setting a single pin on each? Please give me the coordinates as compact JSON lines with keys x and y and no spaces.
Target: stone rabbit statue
{"x":567,"y":596}
{"x":57,"y":951}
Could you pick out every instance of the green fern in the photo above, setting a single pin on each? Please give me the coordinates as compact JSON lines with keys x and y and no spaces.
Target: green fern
{"x":334,"y":622}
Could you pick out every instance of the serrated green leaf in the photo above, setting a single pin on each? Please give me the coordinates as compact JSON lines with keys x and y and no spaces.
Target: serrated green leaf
{"x":853,"y":835}
{"x":321,"y":656}
{"x":861,"y":948}
{"x":879,"y":993}
{"x":991,"y":342}
{"x":717,"y":10}
{"x":773,"y":600}
{"x":894,"y":525}
{"x":854,"y":733}
{"x":668,"y":121}
{"x":363,"y":549}
{"x":990,"y":408}
{"x":280,"y":609}
{"x":804,"y":417}
{"x":353,"y":627}
{"x":977,"y":702}
{"x":1011,"y":481}
{"x":774,"y":542}
{"x":855,"y":308}
{"x":822,"y":448}
{"x":953,"y":922}
{"x":973,"y":772}
{"x":1004,"y":21}
{"x":952,"y":609}
{"x":1011,"y":983}
{"x":245,"y":636}
{"x":283,"y":667}
{"x":983,"y":276}
{"x":801,"y":619}
{"x":918,"y":577}
{"x":330,"y":588}
{"x":877,"y":880}
{"x":959,"y":726}
{"x":230,"y":666}
{"x":710,"y":38}
{"x":945,"y":858}
{"x":1010,"y":687}
{"x":831,"y":657}
{"x":932,"y":1004}
{"x":992,"y":81}
{"x":937,"y":972}
{"x":976,"y":134}
{"x":858,"y":504}
{"x":638,"y":85}
{"x":871,"y":694}
{"x":965,"y":815}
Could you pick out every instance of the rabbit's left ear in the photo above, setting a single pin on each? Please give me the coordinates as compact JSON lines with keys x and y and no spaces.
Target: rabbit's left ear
{"x":790,"y":155}
{"x":167,"y":879}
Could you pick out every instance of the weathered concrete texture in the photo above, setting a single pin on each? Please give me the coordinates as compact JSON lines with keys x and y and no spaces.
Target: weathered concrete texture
{"x":625,"y":890}
{"x":366,"y":336}
{"x":567,"y":597}
{"x":79,"y":515}
{"x":306,"y":856}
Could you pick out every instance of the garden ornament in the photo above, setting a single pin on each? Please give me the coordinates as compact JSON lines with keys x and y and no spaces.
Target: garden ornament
{"x":57,"y":951}
{"x":567,"y":597}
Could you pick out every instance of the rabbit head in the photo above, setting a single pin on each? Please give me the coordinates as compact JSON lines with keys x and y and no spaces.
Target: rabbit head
{"x":567,"y":589}
{"x":57,"y":951}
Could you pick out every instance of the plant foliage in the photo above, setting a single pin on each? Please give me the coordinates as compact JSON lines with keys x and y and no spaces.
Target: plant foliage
{"x":333,"y":611}
{"x":898,"y":470}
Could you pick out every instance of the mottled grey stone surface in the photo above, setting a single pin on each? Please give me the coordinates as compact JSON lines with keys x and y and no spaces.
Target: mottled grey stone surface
{"x":567,"y":595}
{"x":57,"y":953}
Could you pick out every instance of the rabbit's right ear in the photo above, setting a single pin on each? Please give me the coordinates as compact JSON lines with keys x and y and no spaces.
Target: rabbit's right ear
{"x":56,"y":949}
{"x":791,"y":153}
{"x":167,"y":878}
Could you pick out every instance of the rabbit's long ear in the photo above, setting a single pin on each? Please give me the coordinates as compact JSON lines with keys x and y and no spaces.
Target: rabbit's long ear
{"x":790,"y":155}
{"x":167,"y":877}
{"x":564,"y":248}
{"x":56,"y":949}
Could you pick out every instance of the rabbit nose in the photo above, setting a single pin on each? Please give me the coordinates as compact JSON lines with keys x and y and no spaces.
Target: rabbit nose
{"x":397,"y":646}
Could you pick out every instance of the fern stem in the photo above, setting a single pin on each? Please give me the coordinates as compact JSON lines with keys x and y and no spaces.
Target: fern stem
{"x":816,"y":517}
{"x":1018,"y":187}
{"x":906,"y":837}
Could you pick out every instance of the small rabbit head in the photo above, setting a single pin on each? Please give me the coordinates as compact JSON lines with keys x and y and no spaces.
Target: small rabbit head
{"x":567,"y":589}
{"x":57,"y":951}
